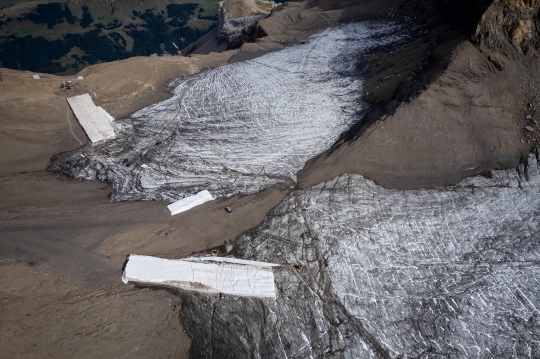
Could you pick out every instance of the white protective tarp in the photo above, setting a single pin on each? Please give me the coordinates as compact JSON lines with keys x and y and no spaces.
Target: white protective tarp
{"x":106,"y":114}
{"x":231,"y":260}
{"x":190,"y":202}
{"x":93,"y":120}
{"x":226,"y":278}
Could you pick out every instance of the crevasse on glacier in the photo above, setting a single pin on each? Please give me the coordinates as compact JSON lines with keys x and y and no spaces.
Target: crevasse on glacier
{"x":242,"y":127}
{"x":440,"y":273}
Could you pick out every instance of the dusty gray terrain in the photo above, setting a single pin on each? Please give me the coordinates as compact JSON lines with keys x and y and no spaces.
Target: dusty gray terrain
{"x":62,"y":246}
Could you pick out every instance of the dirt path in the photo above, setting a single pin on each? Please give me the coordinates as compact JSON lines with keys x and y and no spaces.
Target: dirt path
{"x":69,"y":119}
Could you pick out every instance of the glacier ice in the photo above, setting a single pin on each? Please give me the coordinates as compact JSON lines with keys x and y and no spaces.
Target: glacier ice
{"x":366,"y":272}
{"x":242,"y":127}
{"x":369,"y":272}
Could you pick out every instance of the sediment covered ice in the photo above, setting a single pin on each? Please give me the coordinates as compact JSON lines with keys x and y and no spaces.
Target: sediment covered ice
{"x":241,"y":127}
{"x":374,"y":273}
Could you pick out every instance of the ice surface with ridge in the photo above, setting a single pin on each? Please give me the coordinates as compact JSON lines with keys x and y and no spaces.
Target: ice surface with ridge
{"x":242,"y":127}
{"x":369,"y":272}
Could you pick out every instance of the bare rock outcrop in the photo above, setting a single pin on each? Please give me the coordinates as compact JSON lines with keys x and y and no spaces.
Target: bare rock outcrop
{"x":236,"y":15}
{"x":510,"y":28}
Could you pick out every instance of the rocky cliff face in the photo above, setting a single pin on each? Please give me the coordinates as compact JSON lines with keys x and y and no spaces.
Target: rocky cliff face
{"x":510,"y":28}
{"x":374,"y":273}
{"x":236,"y":15}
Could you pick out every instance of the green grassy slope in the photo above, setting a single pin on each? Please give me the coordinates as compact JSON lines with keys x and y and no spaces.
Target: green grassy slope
{"x":66,"y":36}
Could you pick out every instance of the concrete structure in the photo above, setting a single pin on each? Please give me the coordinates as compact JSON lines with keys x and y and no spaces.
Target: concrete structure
{"x":234,"y":277}
{"x":94,"y":120}
{"x":190,"y":202}
{"x":36,"y":77}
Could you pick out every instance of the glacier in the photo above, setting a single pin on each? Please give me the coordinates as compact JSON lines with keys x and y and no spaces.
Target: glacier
{"x":369,"y":272}
{"x":366,"y":272}
{"x":241,"y":127}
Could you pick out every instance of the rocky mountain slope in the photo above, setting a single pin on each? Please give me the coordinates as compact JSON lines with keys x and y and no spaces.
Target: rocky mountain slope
{"x":510,"y":28}
{"x":236,"y":15}
{"x":469,"y":106}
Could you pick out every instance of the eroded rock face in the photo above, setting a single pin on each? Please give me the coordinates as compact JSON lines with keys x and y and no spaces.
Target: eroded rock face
{"x":238,"y":128}
{"x":510,"y":28}
{"x":375,"y":273}
{"x":236,"y":15}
